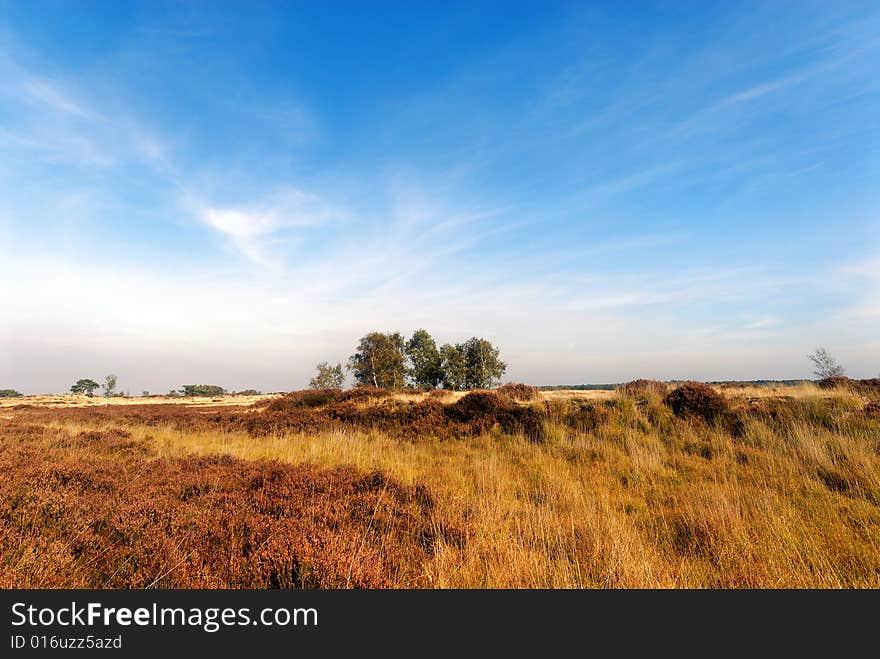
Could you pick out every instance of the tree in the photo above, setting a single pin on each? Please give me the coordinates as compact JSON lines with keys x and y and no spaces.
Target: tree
{"x":484,"y":367}
{"x":454,"y":366}
{"x":202,"y":390}
{"x":84,"y":386}
{"x":110,"y":385}
{"x":380,"y":360}
{"x":328,"y":377}
{"x":826,"y":366}
{"x":9,"y":393}
{"x":426,"y":368}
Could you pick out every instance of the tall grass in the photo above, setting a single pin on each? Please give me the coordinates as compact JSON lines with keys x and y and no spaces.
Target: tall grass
{"x":644,"y":499}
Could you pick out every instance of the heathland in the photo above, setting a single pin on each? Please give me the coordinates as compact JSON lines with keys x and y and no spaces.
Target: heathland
{"x":650,"y":485}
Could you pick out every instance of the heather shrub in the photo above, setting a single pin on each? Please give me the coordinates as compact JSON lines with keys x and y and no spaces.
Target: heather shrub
{"x":518,"y":391}
{"x":203,"y":522}
{"x":641,"y":388}
{"x":872,"y":410}
{"x":835,"y":382}
{"x":305,"y":398}
{"x":868,"y":386}
{"x":695,"y":399}
{"x":363,"y":394}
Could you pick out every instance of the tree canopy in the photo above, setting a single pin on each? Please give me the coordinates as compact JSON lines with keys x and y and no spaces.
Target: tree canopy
{"x":85,"y":386}
{"x":328,"y":377}
{"x":426,"y":364}
{"x":825,"y":365}
{"x":380,"y":360}
{"x":386,"y":360}
{"x":202,"y":390}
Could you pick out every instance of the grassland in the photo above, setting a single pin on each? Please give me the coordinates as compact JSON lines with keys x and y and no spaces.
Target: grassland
{"x":780,"y":488}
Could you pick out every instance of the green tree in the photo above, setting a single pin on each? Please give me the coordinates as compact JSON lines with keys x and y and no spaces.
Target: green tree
{"x":380,"y":360}
{"x":484,"y":366}
{"x":426,"y":365}
{"x":453,"y":366}
{"x":328,"y":377}
{"x":85,"y":386}
{"x":202,"y":390}
{"x":9,"y":393}
{"x":110,"y":385}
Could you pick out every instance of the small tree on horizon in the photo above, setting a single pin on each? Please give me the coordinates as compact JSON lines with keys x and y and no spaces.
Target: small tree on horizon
{"x":84,"y":386}
{"x":825,"y":365}
{"x":109,"y":385}
{"x":328,"y":377}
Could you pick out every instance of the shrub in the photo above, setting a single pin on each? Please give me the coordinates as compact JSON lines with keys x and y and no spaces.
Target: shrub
{"x":518,"y":391}
{"x":217,"y":521}
{"x":363,"y":394}
{"x":305,"y":398}
{"x":872,"y":410}
{"x":835,"y":382}
{"x":868,"y":386}
{"x":695,"y":399}
{"x":9,"y":393}
{"x":640,"y":388}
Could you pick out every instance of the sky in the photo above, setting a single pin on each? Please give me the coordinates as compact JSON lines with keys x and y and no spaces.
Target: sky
{"x":229,"y":193}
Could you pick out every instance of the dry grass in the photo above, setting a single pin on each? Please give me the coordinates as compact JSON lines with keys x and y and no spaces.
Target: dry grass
{"x":634,"y":498}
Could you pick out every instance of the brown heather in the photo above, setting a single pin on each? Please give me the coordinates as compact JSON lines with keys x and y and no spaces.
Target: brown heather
{"x":641,"y":388}
{"x":519,"y":392}
{"x":780,"y":488}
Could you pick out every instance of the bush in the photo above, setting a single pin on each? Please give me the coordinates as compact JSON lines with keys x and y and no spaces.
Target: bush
{"x":835,"y":382}
{"x":868,"y":386}
{"x":695,"y":399}
{"x":363,"y":394}
{"x":9,"y":393}
{"x":305,"y":398}
{"x":518,"y":391}
{"x":641,"y":388}
{"x":872,"y":410}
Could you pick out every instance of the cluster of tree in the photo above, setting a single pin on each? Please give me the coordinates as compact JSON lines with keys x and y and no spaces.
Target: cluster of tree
{"x":389,"y":361}
{"x":88,"y":387}
{"x":9,"y":393}
{"x":202,"y":390}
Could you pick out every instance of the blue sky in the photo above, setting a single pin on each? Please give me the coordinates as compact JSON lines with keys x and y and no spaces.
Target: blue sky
{"x":230,"y":193}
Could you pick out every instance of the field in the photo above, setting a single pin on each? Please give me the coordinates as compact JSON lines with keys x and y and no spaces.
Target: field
{"x":762,"y":487}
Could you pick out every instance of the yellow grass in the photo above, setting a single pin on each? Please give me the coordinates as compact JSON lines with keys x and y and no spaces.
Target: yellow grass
{"x":625,"y":506}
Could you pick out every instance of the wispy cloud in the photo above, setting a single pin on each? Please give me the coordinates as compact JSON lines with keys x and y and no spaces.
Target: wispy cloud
{"x":254,"y":228}
{"x":52,"y":97}
{"x":758,"y":91}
